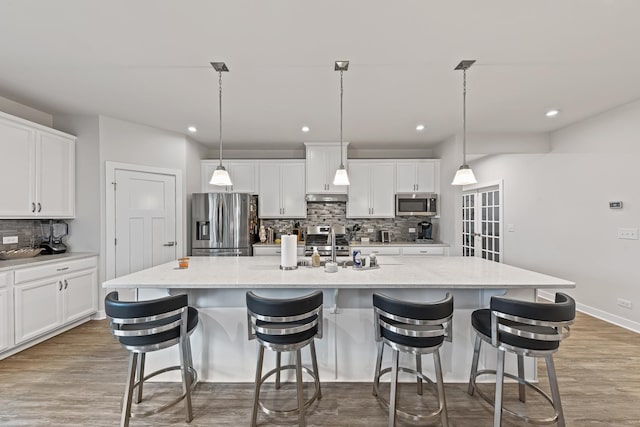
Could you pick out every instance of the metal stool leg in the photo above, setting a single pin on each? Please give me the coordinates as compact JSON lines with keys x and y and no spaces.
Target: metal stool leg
{"x":186,"y":378}
{"x":376,"y":376}
{"x":301,"y":420}
{"x":474,"y":363}
{"x":444,"y":417}
{"x":128,"y":391}
{"x":393,"y":398}
{"x":521,"y":386}
{"x":278,"y":364}
{"x":419,"y":369}
{"x":140,"y":376}
{"x":497,"y":411}
{"x":555,"y":391}
{"x":314,"y":361}
{"x":256,"y":393}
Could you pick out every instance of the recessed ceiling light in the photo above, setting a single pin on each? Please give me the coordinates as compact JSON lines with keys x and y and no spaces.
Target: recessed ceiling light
{"x":192,"y":129}
{"x":305,"y":129}
{"x":420,"y":127}
{"x":552,"y":113}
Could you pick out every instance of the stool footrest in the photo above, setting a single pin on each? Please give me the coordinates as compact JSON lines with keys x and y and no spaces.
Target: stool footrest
{"x":547,"y":420}
{"x":295,"y":411}
{"x":404,"y":414}
{"x":194,"y":381}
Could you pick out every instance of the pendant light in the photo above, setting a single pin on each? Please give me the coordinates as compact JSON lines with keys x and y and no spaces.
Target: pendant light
{"x":464,"y":175}
{"x":220,"y":175}
{"x":341,"y":178}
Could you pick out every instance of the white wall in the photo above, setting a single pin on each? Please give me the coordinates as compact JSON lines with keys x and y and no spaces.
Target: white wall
{"x":11,"y":107}
{"x":194,"y":152}
{"x":450,"y":154}
{"x":558,"y":204}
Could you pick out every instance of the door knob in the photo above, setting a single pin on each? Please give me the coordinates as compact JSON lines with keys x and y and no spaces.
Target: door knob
{"x":169,"y":244}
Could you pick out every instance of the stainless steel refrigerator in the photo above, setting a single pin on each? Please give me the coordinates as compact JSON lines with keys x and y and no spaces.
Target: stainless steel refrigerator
{"x":223,"y":224}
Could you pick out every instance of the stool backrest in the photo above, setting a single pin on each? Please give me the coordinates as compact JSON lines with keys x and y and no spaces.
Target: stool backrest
{"x":295,"y":314}
{"x":510,"y":316}
{"x":438,"y":313}
{"x":147,"y":321}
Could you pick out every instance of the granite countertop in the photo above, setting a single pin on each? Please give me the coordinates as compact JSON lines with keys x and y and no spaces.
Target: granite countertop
{"x":42,"y":259}
{"x":444,"y":272}
{"x":399,"y":243}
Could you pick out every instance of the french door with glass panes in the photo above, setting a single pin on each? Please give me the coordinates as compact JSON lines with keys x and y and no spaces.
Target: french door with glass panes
{"x":482,"y":224}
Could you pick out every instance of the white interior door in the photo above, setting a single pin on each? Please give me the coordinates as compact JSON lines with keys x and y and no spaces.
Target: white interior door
{"x":145,"y":220}
{"x":482,"y":223}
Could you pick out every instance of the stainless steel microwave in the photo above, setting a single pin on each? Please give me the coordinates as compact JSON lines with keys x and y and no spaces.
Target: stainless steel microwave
{"x":416,"y":204}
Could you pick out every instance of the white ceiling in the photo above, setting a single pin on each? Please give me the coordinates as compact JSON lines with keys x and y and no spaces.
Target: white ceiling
{"x":147,"y":61}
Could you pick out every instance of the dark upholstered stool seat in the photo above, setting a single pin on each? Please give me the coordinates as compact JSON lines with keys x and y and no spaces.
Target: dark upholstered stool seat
{"x":481,"y":322}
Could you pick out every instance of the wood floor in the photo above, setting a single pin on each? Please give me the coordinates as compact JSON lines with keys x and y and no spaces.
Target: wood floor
{"x":77,"y":379}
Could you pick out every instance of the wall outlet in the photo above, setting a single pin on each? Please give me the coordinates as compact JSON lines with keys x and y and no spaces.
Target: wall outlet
{"x":628,"y":233}
{"x":369,"y":230}
{"x":8,"y":240}
{"x":624,"y":303}
{"x":412,"y":230}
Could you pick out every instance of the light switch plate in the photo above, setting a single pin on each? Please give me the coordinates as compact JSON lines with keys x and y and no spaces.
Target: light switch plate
{"x":628,"y":233}
{"x":369,"y":230}
{"x":8,"y":240}
{"x":412,"y":230}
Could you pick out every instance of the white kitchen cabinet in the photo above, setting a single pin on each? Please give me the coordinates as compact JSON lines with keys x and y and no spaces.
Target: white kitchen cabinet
{"x":322,"y":161}
{"x":371,"y":193}
{"x":38,"y":170}
{"x":54,"y":295}
{"x":418,"y":175}
{"x":379,"y":250}
{"x":274,"y":251}
{"x":6,"y":311}
{"x":243,"y":174}
{"x":423,"y":250}
{"x":402,"y":250}
{"x":282,"y":189}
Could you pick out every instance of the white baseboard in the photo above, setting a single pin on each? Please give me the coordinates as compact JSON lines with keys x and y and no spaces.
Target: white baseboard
{"x":598,"y":314}
{"x":99,"y":315}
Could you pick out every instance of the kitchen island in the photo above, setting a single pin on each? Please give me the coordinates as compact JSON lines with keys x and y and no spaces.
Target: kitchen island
{"x":217,"y":287}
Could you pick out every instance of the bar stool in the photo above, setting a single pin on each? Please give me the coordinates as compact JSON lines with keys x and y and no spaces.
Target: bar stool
{"x":285,"y":325}
{"x":526,"y":329}
{"x":417,"y":329}
{"x":146,"y":326}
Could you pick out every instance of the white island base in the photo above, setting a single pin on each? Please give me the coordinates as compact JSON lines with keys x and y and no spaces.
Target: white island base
{"x":217,"y":287}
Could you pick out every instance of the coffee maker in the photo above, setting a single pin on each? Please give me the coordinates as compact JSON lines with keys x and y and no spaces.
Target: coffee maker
{"x":425,"y":229}
{"x":51,"y":236}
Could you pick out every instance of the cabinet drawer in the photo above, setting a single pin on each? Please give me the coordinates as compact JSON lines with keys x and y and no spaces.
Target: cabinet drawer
{"x":421,"y":250}
{"x":55,"y":269}
{"x":4,"y":279}
{"x":274,"y":251}
{"x":380,"y":250}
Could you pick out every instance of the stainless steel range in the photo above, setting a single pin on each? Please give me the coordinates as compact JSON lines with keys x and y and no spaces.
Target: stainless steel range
{"x":320,"y":237}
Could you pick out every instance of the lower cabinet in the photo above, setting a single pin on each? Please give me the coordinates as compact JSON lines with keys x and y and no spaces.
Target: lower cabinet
{"x":274,"y":251}
{"x":52,"y":296}
{"x":6,"y":311}
{"x":419,"y":250}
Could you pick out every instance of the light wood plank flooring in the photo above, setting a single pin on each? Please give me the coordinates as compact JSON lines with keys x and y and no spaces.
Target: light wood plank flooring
{"x":77,"y":379}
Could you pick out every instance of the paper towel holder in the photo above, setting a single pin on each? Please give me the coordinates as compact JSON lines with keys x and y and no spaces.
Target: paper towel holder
{"x":295,"y":267}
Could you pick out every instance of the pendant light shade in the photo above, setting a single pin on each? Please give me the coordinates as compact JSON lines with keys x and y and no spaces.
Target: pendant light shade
{"x":220,"y":175}
{"x":341,"y":178}
{"x":464,"y":175}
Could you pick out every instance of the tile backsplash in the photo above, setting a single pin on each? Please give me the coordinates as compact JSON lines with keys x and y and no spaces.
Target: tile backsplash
{"x":27,"y":231}
{"x":336,"y":214}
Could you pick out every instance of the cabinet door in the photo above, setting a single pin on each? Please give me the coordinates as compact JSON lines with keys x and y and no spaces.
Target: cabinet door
{"x":55,"y":176}
{"x":316,"y":170}
{"x":358,"y":205}
{"x":382,"y":194}
{"x":406,"y":177}
{"x":426,"y":176}
{"x":269,"y":204}
{"x":294,"y":204}
{"x":6,"y":313}
{"x":243,"y":177}
{"x":80,"y":294}
{"x":38,"y":308}
{"x":17,"y":172}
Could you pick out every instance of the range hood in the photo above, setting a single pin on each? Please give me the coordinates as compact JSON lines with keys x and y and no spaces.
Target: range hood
{"x":327,"y":198}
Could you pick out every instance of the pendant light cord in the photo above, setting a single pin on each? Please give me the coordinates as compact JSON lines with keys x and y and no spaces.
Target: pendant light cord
{"x":220,"y":110}
{"x":341,"y":95}
{"x":464,"y":116}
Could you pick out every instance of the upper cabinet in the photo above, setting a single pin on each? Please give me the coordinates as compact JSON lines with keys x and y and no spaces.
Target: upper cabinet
{"x":243,"y":174}
{"x":282,"y":189}
{"x":371,"y":193}
{"x":38,"y":170}
{"x":418,"y":175}
{"x":322,"y":161}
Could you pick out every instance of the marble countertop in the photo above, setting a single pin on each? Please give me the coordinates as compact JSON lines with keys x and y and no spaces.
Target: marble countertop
{"x":438,"y":272}
{"x":14,"y":264}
